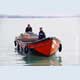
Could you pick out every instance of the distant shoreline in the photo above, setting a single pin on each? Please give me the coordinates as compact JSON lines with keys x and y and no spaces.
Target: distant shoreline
{"x":16,"y":16}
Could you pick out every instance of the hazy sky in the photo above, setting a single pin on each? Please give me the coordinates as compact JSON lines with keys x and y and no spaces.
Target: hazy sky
{"x":40,"y":7}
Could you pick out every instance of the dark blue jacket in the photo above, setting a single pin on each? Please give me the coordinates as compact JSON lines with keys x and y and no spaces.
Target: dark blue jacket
{"x":42,"y":35}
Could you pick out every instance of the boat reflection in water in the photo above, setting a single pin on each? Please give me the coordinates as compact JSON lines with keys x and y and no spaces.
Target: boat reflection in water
{"x":33,"y":59}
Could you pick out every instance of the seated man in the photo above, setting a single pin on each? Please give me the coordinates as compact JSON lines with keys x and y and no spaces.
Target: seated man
{"x":28,"y":28}
{"x":41,"y":34}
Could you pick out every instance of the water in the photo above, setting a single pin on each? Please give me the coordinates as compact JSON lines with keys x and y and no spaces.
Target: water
{"x":65,"y":29}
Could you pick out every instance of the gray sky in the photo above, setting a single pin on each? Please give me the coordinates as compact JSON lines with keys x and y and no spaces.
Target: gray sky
{"x":40,"y":7}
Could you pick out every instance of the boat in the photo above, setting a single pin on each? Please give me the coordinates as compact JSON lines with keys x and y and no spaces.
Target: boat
{"x":29,"y":41}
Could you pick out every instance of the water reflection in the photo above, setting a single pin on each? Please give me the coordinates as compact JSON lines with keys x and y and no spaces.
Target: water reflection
{"x":33,"y":59}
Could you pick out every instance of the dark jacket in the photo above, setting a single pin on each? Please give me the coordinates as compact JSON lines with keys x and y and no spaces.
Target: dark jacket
{"x":42,"y":35}
{"x":28,"y":29}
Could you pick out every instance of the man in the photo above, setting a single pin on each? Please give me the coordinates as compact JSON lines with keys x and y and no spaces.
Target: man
{"x":28,"y":28}
{"x":41,"y":34}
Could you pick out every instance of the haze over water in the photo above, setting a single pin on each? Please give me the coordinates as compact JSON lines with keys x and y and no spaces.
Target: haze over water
{"x":65,"y":29}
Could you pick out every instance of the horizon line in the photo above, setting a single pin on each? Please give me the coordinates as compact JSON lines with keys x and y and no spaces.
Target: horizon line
{"x":21,"y":16}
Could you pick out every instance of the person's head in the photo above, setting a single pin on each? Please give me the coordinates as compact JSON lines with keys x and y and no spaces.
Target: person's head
{"x":41,"y":29}
{"x":28,"y":25}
